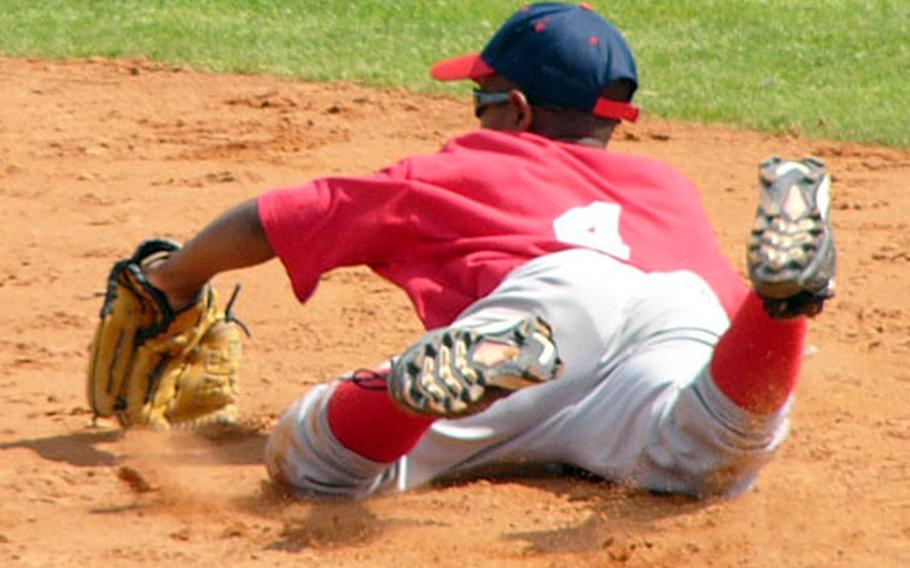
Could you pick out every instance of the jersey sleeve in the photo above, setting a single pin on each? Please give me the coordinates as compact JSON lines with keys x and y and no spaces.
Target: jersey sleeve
{"x":336,"y":221}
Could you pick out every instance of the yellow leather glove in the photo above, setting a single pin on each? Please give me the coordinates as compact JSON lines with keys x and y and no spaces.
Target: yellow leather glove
{"x":153,"y":366}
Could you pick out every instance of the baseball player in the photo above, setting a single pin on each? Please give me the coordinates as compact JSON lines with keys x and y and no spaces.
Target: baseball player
{"x":578,"y":308}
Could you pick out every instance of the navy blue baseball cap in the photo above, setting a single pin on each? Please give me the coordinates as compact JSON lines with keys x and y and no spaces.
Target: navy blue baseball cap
{"x":559,"y":54}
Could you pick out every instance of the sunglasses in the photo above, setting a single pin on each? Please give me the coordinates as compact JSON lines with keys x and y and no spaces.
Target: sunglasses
{"x":485,"y":99}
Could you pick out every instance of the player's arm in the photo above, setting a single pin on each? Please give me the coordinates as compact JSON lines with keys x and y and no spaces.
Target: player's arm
{"x":233,"y":240}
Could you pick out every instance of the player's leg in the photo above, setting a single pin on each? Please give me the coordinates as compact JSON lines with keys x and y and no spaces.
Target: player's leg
{"x":714,"y":434}
{"x":603,"y":313}
{"x":791,"y":261}
{"x":345,"y":437}
{"x":636,"y":403}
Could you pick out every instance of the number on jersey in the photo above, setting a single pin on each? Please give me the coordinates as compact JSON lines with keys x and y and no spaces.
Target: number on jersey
{"x":593,"y":226}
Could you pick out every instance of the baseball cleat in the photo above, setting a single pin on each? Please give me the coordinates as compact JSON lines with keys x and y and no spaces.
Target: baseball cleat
{"x":791,"y":256}
{"x":456,"y":372}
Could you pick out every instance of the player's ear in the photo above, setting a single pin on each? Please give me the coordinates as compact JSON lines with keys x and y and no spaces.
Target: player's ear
{"x":524,"y":115}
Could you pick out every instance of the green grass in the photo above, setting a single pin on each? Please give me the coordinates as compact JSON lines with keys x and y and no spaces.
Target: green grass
{"x":830,"y":68}
{"x":826,"y":68}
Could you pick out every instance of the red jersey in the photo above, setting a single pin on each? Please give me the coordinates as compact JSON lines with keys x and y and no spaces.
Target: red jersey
{"x":448,"y":227}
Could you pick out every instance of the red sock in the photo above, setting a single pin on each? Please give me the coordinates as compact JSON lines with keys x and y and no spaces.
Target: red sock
{"x":366,"y":421}
{"x":757,"y":361}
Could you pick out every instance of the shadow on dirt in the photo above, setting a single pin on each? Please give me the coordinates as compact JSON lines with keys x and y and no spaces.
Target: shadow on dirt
{"x":320,"y":522}
{"x":330,"y":525}
{"x":75,"y":449}
{"x":335,"y":524}
{"x":234,"y":445}
{"x":614,"y":510}
{"x":614,"y":513}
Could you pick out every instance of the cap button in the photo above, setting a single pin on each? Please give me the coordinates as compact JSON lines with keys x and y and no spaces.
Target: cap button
{"x":586,"y":6}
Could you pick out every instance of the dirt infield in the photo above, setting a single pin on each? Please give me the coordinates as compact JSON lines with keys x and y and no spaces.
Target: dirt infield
{"x":95,"y":156}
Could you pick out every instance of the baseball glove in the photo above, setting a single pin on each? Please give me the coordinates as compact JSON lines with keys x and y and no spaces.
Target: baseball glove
{"x":153,"y":366}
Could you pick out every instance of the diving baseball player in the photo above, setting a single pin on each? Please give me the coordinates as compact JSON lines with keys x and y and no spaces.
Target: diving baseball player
{"x":578,"y":308}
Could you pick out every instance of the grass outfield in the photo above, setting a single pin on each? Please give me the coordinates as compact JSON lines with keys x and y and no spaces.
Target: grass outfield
{"x":828,"y":68}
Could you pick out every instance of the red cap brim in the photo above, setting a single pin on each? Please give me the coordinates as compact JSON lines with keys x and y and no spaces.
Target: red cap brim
{"x":462,"y":67}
